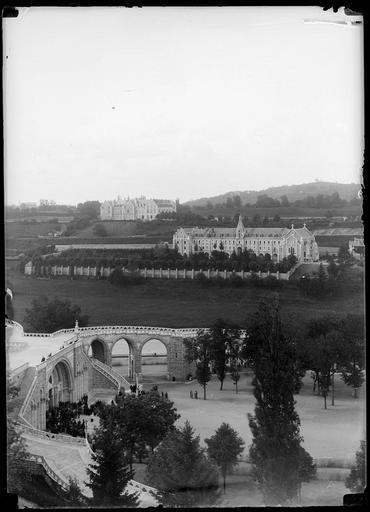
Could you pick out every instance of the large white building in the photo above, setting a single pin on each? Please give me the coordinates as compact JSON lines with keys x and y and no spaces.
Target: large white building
{"x":135,"y":209}
{"x":278,"y":242}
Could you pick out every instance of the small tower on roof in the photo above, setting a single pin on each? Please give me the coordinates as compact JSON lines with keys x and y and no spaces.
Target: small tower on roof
{"x":240,"y":227}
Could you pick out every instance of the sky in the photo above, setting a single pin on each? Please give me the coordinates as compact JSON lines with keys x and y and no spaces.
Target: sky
{"x":178,"y":102}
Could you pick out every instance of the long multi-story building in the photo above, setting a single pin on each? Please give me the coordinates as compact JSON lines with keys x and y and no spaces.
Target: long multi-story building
{"x":278,"y":242}
{"x":135,"y":209}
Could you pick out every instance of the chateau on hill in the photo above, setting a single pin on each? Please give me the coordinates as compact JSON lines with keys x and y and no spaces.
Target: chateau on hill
{"x":135,"y":209}
{"x":278,"y":242}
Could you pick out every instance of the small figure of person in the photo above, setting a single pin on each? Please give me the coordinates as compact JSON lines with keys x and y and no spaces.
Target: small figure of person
{"x":196,"y":394}
{"x":166,"y":395}
{"x":191,"y":394}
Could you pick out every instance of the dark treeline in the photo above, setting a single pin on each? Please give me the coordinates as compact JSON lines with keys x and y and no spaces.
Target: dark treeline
{"x":163,"y":257}
{"x":320,"y":201}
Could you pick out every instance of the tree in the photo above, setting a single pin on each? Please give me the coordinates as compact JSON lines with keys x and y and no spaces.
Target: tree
{"x":88,"y":209}
{"x":219,"y":339}
{"x":180,"y":470}
{"x":352,"y":355}
{"x":322,"y":277}
{"x":284,"y":201}
{"x":356,"y":480}
{"x":74,"y":494}
{"x":234,"y":351}
{"x":50,"y":315}
{"x":276,"y":453}
{"x":199,"y":349}
{"x":344,"y":257}
{"x":224,"y":447}
{"x":109,"y":474}
{"x":321,"y":351}
{"x":140,"y":421}
{"x":17,"y":455}
{"x":99,"y":230}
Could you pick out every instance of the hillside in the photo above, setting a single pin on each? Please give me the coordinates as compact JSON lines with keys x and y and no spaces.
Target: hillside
{"x":293,"y":192}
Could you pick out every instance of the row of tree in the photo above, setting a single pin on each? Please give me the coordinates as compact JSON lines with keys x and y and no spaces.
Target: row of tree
{"x":320,"y":201}
{"x":183,"y":472}
{"x":337,"y":277}
{"x":327,"y":346}
{"x":164,"y":257}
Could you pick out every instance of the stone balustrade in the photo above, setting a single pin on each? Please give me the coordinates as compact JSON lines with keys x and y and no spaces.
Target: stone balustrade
{"x":43,"y":434}
{"x":39,"y":459}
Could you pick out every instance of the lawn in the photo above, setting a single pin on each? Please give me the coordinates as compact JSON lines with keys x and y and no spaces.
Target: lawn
{"x":170,"y":303}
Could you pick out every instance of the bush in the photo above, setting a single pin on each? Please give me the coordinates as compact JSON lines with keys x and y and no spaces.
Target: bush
{"x":202,"y":279}
{"x":271,"y":282}
{"x":236,"y":281}
{"x":118,"y":278}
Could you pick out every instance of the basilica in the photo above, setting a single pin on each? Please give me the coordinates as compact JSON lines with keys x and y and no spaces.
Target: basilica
{"x":278,"y":242}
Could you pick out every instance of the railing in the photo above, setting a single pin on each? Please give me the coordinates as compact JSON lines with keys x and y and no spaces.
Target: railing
{"x":49,"y":335}
{"x":103,"y":369}
{"x":118,"y":376}
{"x":59,"y":352}
{"x":135,"y":329}
{"x":42,"y":461}
{"x":13,"y":322}
{"x":26,"y":401}
{"x":17,"y":371}
{"x":43,"y":434}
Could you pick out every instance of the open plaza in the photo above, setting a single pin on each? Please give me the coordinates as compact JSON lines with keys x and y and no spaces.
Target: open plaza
{"x":331,"y":436}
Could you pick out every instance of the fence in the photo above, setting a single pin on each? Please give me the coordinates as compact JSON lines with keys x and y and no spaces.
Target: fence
{"x":152,"y":273}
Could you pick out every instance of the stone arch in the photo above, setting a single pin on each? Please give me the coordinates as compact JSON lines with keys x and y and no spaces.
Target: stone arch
{"x":60,"y":383}
{"x":274,"y":257}
{"x":123,"y":357}
{"x":98,"y":350}
{"x":154,"y":359}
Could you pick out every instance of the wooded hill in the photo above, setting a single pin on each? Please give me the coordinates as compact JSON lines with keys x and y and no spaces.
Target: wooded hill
{"x":293,"y":193}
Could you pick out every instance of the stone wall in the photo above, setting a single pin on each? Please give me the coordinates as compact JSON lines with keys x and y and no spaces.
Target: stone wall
{"x":177,"y":366}
{"x":151,"y":273}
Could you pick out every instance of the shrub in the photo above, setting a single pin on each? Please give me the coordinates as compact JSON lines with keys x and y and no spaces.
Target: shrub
{"x":271,"y":282}
{"x":202,"y":279}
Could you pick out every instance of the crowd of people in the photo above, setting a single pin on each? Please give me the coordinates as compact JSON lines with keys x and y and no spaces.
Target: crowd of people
{"x":65,"y":419}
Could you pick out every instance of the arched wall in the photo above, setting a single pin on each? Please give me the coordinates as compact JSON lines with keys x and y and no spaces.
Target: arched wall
{"x":154,"y":359}
{"x":128,"y":365}
{"x":100,"y":350}
{"x":60,"y":383}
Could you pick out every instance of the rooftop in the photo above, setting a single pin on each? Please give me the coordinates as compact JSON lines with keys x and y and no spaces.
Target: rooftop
{"x":30,"y":348}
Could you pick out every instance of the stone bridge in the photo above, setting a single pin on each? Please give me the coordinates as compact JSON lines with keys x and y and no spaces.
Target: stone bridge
{"x":70,"y":363}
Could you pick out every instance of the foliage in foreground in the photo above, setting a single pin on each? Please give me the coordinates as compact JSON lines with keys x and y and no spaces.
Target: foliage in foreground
{"x":280,"y":463}
{"x":224,"y":447}
{"x":181,"y":471}
{"x":356,"y":480}
{"x":140,"y":423}
{"x":110,"y":473}
{"x":17,"y":454}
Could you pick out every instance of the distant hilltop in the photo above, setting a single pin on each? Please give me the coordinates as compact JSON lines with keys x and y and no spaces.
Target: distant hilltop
{"x":346,"y":191}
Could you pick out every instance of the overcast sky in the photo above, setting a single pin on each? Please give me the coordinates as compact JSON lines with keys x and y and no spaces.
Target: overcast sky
{"x":178,"y":102}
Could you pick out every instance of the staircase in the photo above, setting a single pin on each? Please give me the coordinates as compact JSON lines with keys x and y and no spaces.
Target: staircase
{"x":111,"y":374}
{"x":24,"y":388}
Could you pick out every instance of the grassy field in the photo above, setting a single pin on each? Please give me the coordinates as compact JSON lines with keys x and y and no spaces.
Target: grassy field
{"x":169,"y":303}
{"x":21,"y":229}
